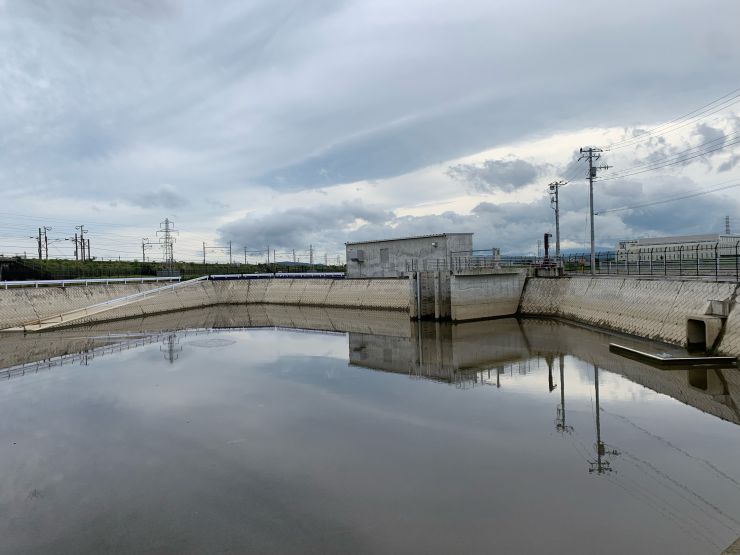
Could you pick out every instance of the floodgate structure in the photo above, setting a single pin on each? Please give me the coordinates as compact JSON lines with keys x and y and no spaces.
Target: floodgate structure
{"x":433,"y":277}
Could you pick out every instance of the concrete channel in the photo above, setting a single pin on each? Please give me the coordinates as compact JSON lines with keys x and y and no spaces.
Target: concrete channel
{"x":680,"y":312}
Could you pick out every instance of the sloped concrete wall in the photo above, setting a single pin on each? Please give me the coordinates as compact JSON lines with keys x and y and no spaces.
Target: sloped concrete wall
{"x":730,"y":341}
{"x":655,"y":309}
{"x":22,"y":306}
{"x":478,"y":294}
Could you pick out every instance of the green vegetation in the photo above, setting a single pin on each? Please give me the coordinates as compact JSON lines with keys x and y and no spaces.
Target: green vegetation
{"x":23,"y":269}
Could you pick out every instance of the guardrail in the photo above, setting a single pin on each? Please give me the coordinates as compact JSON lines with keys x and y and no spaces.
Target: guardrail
{"x":77,"y":282}
{"x":469,"y":262}
{"x":279,"y":275}
{"x":713,"y":261}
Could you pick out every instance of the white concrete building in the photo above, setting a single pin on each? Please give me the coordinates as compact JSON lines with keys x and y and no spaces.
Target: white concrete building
{"x":684,"y":247}
{"x":394,"y":257}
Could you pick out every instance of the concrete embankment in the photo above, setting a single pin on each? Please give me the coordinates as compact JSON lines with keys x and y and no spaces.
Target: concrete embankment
{"x":650,"y":308}
{"x":19,"y":307}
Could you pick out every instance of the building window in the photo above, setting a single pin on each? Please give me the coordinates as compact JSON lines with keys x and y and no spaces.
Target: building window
{"x":384,"y":256}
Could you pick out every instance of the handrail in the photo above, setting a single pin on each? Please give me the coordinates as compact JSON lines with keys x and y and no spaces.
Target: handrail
{"x":146,"y":293}
{"x":279,"y":275}
{"x":92,"y":309}
{"x":63,"y":282}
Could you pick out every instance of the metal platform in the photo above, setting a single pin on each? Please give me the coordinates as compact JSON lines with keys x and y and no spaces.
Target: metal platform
{"x":673,"y":362}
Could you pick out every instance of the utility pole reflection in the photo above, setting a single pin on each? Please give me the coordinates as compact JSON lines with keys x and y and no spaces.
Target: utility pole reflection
{"x":560,"y":424}
{"x":601,"y":465}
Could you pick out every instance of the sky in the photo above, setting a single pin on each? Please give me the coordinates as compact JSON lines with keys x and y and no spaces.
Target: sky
{"x":297,"y":123}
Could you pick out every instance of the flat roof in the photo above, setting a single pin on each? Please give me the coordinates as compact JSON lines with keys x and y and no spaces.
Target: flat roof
{"x":405,"y":238}
{"x":710,"y":237}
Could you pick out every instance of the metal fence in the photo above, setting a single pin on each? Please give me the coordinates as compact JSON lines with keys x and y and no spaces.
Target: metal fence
{"x":717,"y":261}
{"x":71,"y":282}
{"x":461,"y":262}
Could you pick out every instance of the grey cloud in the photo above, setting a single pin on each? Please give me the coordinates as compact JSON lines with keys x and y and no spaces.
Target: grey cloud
{"x":515,"y":227}
{"x":299,"y":227}
{"x":164,"y":197}
{"x":496,"y":175}
{"x":110,"y":97}
{"x":708,"y":133}
{"x":729,"y":164}
{"x":272,"y":94}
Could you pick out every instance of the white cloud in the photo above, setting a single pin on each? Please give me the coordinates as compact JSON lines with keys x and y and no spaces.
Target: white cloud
{"x":265,"y":108}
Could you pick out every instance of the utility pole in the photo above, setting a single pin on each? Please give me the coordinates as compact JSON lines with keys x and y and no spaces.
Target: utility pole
{"x":38,"y":240}
{"x":268,"y":254}
{"x":83,"y":231}
{"x":592,"y":154}
{"x":293,"y":256}
{"x":46,"y":242}
{"x":555,"y":204}
{"x":146,"y":244}
{"x":88,"y":250}
{"x":230,"y":261}
{"x":204,"y":252}
{"x":310,"y":254}
{"x":245,"y":256}
{"x":77,"y":255}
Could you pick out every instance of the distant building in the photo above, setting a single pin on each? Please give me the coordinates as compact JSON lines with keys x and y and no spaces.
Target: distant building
{"x":394,"y":257}
{"x":679,"y":247}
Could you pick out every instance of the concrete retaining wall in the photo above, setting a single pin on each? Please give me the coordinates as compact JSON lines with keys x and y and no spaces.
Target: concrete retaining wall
{"x":485,"y":293}
{"x":655,"y":309}
{"x":23,"y":306}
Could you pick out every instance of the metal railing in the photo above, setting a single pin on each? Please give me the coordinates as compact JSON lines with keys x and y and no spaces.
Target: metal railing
{"x":279,"y":275}
{"x":66,"y":282}
{"x":715,"y":261}
{"x":461,"y":262}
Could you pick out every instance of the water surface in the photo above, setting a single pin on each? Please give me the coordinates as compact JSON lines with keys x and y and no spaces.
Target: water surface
{"x":475,"y":438}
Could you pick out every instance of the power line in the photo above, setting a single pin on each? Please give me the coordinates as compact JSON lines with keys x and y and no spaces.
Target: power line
{"x":52,"y":219}
{"x":680,"y":122}
{"x":672,"y":161}
{"x":673,"y":199}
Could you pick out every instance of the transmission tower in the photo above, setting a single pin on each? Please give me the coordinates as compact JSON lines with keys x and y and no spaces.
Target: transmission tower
{"x":167,"y":241}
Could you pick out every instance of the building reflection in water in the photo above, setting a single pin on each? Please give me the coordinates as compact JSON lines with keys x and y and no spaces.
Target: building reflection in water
{"x":481,"y":353}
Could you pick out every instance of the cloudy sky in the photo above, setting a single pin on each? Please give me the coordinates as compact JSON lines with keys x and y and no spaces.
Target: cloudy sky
{"x":289,"y":123}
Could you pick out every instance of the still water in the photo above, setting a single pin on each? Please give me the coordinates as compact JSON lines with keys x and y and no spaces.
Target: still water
{"x":369,"y":435}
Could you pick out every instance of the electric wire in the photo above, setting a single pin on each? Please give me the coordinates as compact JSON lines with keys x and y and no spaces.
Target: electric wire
{"x":680,"y":121}
{"x":669,"y":164}
{"x":678,"y":157}
{"x":664,"y":201}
